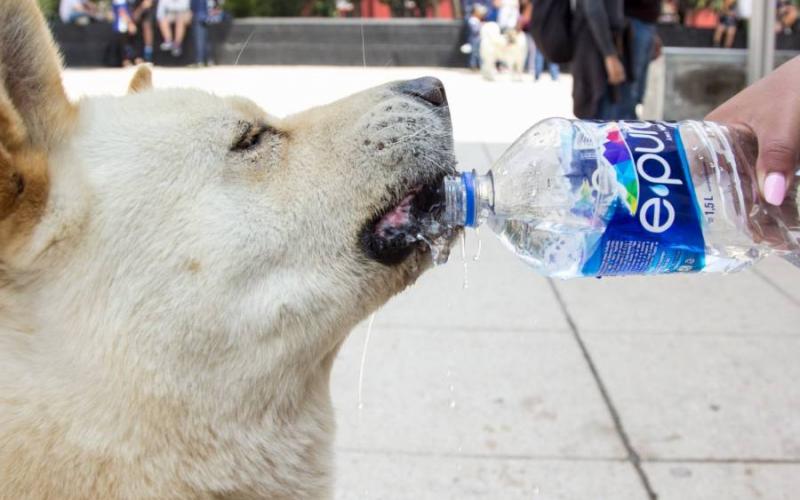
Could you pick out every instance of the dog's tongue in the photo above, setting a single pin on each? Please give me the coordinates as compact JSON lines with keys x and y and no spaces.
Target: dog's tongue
{"x":395,"y":220}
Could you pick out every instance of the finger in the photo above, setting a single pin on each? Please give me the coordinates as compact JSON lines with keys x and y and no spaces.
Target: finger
{"x":777,"y":159}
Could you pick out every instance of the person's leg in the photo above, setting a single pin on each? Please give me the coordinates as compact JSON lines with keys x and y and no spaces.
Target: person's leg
{"x":730,"y":35}
{"x":648,"y":32}
{"x":555,"y":71}
{"x":474,"y":56}
{"x":209,"y":49}
{"x":181,"y":21}
{"x":538,"y":65}
{"x":530,"y":57}
{"x":200,"y":41}
{"x":148,"y":37}
{"x":641,"y":47}
{"x":609,"y":107}
{"x":718,"y":35}
{"x":166,"y":32}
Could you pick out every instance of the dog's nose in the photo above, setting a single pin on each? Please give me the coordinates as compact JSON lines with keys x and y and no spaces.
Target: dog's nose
{"x":426,"y":88}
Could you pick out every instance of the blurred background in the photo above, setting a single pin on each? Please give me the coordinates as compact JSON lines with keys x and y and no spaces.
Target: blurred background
{"x":485,"y":380}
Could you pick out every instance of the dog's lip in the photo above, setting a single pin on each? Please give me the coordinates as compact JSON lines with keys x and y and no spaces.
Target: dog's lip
{"x":391,"y":236}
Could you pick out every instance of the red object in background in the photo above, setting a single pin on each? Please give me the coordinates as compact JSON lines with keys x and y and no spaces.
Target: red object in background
{"x":702,"y":18}
{"x":378,"y":10}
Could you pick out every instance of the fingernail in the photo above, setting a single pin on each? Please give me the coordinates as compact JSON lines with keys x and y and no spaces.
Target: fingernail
{"x":775,"y":188}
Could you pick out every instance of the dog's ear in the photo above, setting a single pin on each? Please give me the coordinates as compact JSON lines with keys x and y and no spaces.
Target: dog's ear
{"x":35,"y":115}
{"x":142,"y":80}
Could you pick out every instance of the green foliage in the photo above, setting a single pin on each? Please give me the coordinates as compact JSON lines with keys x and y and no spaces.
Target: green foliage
{"x":49,"y":7}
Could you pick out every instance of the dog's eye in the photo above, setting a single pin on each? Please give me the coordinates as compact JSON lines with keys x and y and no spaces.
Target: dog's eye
{"x":252,"y":136}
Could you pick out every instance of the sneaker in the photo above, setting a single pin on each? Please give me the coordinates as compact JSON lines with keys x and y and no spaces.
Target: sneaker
{"x":177,"y":52}
{"x":166,"y":46}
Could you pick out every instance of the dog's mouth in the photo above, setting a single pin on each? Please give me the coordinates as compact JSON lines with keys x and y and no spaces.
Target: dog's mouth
{"x":407,"y":224}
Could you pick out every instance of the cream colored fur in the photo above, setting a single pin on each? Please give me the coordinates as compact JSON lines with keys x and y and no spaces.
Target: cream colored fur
{"x":170,"y":312}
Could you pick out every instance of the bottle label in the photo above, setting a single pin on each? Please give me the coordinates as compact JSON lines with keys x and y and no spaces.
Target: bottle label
{"x":642,"y":191}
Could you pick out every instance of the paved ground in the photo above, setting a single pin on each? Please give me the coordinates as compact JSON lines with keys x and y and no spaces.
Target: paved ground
{"x":518,"y":387}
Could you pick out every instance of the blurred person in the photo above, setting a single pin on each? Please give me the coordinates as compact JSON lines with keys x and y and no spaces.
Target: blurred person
{"x":786,"y":14}
{"x":179,"y":13}
{"x":669,"y":12}
{"x":474,"y":24}
{"x":492,"y":11}
{"x":771,"y":109}
{"x":142,"y":12}
{"x":642,"y":16}
{"x":535,"y":56}
{"x":77,"y":11}
{"x":508,"y":15}
{"x":727,"y":24}
{"x":597,"y":62}
{"x":539,"y":62}
{"x":202,"y":44}
{"x":125,"y":28}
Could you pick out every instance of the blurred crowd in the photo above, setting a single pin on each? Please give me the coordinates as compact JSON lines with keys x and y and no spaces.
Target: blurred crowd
{"x":611,"y":42}
{"x":134,"y":22}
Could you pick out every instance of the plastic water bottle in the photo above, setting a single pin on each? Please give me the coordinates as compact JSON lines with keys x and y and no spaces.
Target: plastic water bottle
{"x":578,"y":198}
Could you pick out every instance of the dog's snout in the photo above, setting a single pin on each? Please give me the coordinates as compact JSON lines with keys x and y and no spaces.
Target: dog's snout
{"x":428,"y":88}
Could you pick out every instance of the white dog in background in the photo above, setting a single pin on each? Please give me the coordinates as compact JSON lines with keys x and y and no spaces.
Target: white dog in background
{"x":178,"y":271}
{"x":509,"y":48}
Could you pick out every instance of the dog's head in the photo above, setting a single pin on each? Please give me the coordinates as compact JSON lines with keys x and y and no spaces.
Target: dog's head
{"x":179,"y":218}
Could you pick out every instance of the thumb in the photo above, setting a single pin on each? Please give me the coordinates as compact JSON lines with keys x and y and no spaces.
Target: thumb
{"x":777,"y":160}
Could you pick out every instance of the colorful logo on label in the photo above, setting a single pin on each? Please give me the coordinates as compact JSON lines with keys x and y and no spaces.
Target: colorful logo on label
{"x":616,"y":152}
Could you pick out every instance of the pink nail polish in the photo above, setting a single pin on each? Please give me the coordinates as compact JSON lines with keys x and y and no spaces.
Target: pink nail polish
{"x":775,"y":188}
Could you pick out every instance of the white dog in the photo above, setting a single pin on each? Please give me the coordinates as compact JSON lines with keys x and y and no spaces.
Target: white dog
{"x":510,"y":48}
{"x":178,"y":271}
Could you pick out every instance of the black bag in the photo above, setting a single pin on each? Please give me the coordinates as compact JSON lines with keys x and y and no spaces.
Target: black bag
{"x":551,"y":28}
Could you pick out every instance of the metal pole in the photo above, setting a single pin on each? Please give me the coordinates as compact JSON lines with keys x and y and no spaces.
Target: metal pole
{"x":761,"y":40}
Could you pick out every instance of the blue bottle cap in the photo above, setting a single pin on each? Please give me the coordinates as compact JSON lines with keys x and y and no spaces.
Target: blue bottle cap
{"x":469,"y":193}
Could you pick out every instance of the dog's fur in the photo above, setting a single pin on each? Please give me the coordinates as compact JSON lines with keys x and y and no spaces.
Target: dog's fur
{"x":170,"y":306}
{"x":509,"y":48}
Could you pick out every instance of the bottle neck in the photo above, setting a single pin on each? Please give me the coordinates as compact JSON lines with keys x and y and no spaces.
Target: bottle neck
{"x":469,"y":199}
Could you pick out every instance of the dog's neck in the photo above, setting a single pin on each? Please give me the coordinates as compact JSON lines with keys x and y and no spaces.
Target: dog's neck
{"x":229,"y":408}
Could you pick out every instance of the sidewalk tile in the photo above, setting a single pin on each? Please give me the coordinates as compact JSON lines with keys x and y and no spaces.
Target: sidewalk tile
{"x":487,"y":393}
{"x":502,"y":294}
{"x":783,"y":275}
{"x":704,"y":397}
{"x":676,"y":481}
{"x":390,"y":477}
{"x":736,"y":304}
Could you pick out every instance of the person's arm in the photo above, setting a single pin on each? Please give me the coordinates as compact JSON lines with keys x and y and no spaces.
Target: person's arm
{"x":771,"y":109}
{"x":600,"y":27}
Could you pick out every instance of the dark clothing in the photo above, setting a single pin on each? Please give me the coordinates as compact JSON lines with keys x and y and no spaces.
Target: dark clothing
{"x":643,"y":10}
{"x":596,"y":26}
{"x":200,"y":10}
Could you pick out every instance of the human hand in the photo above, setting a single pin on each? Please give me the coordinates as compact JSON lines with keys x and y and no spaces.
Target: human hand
{"x":615,"y":70}
{"x":132,"y":28}
{"x":771,"y":109}
{"x":658,"y":47}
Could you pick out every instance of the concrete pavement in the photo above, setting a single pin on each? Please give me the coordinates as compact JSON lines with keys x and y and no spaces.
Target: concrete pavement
{"x":518,"y":387}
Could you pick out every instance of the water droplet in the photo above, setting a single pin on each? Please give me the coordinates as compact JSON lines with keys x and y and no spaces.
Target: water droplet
{"x":452,"y":388}
{"x":364,"y":361}
{"x":480,"y":245}
{"x":464,"y":258}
